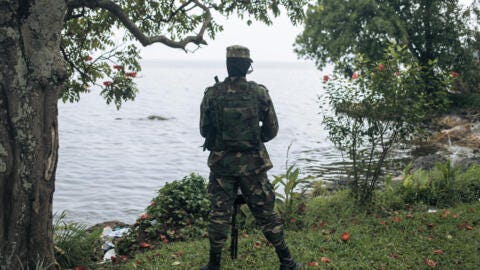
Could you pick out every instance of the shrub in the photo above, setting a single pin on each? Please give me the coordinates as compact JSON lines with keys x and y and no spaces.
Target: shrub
{"x":378,"y":108}
{"x":469,"y":101}
{"x":330,"y":209}
{"x":74,"y":244}
{"x":178,"y":212}
{"x":442,"y":186}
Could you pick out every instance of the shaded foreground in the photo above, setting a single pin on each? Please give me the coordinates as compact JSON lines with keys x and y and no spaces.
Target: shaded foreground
{"x":419,"y":238}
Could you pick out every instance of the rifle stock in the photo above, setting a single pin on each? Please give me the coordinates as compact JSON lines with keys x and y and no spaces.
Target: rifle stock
{"x":234,"y":241}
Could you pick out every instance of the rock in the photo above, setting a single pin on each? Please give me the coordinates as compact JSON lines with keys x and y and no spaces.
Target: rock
{"x":157,"y":117}
{"x":427,"y":162}
{"x":450,"y":121}
{"x":454,"y":134}
{"x":467,"y":162}
{"x":471,"y":141}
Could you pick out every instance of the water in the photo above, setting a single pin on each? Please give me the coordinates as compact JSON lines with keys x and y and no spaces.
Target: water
{"x":111,"y":163}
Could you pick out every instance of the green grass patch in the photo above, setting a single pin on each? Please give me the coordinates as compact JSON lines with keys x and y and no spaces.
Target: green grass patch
{"x":416,"y":239}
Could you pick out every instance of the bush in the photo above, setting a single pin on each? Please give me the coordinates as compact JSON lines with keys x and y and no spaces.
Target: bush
{"x":330,"y":209}
{"x":466,"y":101}
{"x":442,"y":186}
{"x":74,"y":244}
{"x":381,"y":106}
{"x":178,"y":212}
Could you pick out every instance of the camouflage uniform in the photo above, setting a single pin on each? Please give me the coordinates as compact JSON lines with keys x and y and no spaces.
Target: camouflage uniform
{"x":230,"y":170}
{"x":236,"y":118}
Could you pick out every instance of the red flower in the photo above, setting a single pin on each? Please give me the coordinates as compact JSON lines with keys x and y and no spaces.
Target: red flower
{"x":381,"y":67}
{"x":179,"y":253}
{"x":431,"y":263}
{"x":144,"y":216}
{"x":88,"y":58}
{"x":145,"y":245}
{"x":325,"y":78}
{"x":325,"y":260}
{"x":355,"y":76}
{"x":396,"y":219}
{"x":454,"y":74}
{"x":313,"y":263}
{"x":164,"y":239}
{"x":132,"y":74}
{"x":107,"y":83}
{"x":345,"y":236}
{"x":117,"y":67}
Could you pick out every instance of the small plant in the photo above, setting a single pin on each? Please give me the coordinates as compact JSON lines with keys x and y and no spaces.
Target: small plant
{"x":74,"y":244}
{"x":290,"y":203}
{"x":179,"y":212}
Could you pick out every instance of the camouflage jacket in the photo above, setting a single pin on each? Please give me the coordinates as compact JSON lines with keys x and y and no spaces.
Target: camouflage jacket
{"x":233,"y":163}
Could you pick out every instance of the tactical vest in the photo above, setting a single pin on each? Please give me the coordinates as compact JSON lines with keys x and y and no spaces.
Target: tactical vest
{"x":237,"y":118}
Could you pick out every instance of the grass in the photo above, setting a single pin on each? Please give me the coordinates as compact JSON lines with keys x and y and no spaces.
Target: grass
{"x":407,"y":239}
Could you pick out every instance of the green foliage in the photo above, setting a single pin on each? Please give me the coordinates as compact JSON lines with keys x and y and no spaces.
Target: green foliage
{"x":289,"y":202}
{"x":444,"y":185}
{"x":332,"y":208}
{"x":402,"y":240}
{"x":466,"y":101}
{"x":94,"y":56}
{"x":442,"y":30}
{"x":178,"y":212}
{"x":74,"y":244}
{"x":378,"y":108}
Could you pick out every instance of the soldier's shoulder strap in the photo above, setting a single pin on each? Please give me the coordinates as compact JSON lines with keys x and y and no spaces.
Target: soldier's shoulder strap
{"x":258,"y":87}
{"x":216,"y":87}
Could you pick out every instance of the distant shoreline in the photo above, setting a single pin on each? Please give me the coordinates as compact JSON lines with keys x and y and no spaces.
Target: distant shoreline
{"x":220,"y":63}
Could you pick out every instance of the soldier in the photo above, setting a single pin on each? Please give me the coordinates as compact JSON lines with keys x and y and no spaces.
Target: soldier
{"x":236,"y":118}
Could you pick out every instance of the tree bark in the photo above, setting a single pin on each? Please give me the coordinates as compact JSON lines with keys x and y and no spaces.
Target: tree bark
{"x":31,"y":76}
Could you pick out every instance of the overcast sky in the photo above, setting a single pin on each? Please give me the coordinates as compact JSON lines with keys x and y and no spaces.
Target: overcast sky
{"x":266,"y":43}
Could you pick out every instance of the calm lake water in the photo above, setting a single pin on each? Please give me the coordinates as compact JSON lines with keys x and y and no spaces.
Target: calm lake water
{"x":112,"y":162}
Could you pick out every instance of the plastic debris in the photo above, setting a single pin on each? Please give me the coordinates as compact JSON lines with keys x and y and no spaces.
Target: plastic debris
{"x":108,"y":236}
{"x":109,"y":254}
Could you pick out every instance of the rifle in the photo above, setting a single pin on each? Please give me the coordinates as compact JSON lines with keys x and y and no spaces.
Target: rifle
{"x":234,"y":244}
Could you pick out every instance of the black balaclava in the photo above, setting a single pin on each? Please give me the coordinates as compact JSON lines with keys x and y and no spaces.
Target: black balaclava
{"x":238,"y":67}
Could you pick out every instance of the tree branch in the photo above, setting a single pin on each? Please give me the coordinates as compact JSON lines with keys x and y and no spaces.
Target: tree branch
{"x":71,"y":16}
{"x":121,"y":15}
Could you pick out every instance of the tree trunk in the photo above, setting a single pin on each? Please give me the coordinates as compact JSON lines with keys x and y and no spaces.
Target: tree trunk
{"x":31,"y":76}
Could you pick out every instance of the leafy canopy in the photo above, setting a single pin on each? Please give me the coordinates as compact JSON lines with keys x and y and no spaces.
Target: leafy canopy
{"x":94,"y":57}
{"x":443,"y":30}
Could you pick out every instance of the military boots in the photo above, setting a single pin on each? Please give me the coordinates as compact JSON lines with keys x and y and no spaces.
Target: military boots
{"x":213,"y":262}
{"x":286,"y":260}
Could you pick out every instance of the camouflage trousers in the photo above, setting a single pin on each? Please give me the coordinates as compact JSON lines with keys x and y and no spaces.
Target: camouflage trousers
{"x":260,"y":198}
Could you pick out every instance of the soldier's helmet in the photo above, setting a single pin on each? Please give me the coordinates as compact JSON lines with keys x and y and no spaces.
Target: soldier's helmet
{"x":238,"y":51}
